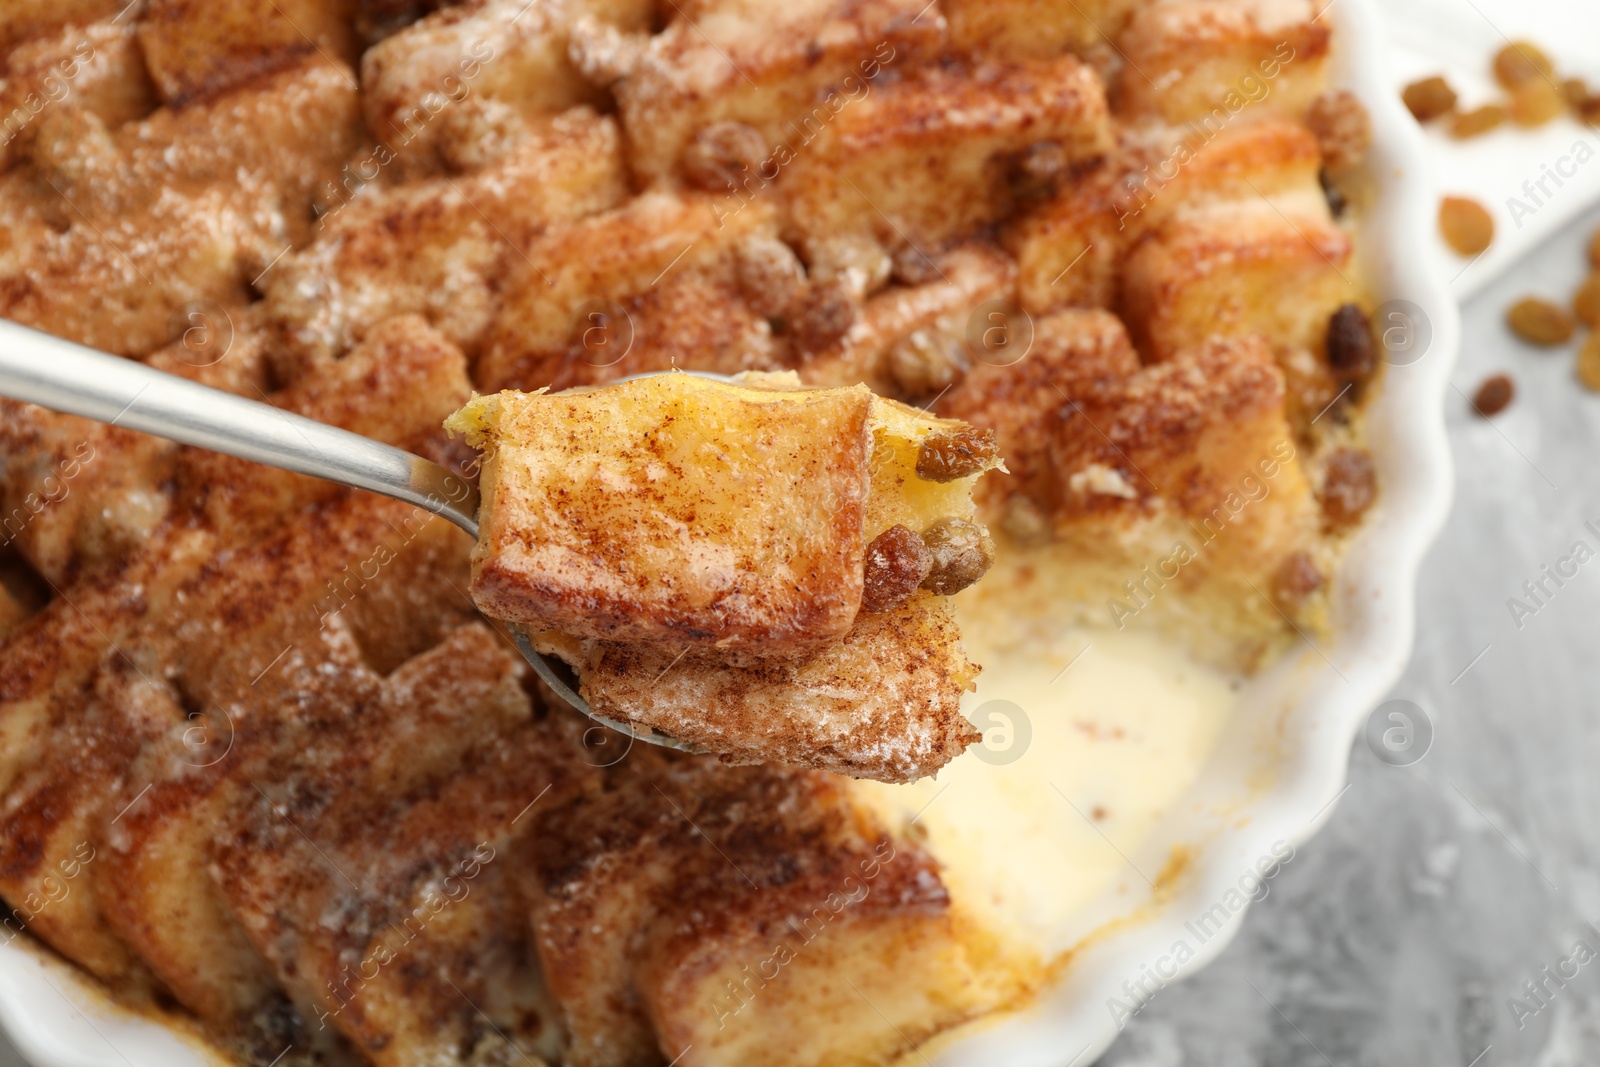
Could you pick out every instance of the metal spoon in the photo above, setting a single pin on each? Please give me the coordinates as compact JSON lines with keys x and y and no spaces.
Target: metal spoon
{"x":72,"y":378}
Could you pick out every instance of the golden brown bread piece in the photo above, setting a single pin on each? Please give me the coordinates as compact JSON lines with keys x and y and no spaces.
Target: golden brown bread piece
{"x":883,"y":702}
{"x":770,"y":902}
{"x":485,"y":66}
{"x":1036,"y":29}
{"x":934,"y":155}
{"x":438,"y":247}
{"x":784,"y":69}
{"x":1129,"y":479}
{"x":698,"y":551}
{"x":193,"y":49}
{"x":673,"y":509}
{"x":111,"y":233}
{"x":99,"y":67}
{"x":615,"y":264}
{"x":1206,"y":61}
{"x":1070,"y":248}
{"x":23,"y":20}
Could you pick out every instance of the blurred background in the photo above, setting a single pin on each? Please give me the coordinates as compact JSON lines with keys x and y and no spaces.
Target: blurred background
{"x":1429,"y":923}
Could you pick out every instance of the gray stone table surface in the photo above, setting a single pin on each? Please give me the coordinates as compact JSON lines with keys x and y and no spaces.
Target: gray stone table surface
{"x":1402,"y":934}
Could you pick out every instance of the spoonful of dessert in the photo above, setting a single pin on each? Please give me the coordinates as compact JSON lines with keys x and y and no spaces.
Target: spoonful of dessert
{"x":745,"y":567}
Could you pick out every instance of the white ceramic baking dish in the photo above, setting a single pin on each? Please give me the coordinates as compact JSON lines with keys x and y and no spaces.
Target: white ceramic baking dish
{"x":1274,"y":774}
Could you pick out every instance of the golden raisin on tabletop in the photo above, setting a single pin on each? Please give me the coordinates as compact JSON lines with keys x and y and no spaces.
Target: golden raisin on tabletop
{"x":1478,"y":121}
{"x":1588,"y":367}
{"x":1465,"y":224}
{"x":1521,"y":62}
{"x":1429,"y":98}
{"x":1586,"y":302}
{"x":1493,"y":396}
{"x":1540,"y":322}
{"x":1536,"y":103}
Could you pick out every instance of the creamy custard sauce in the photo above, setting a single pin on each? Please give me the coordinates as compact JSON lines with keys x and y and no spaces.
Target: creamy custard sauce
{"x":1090,"y":736}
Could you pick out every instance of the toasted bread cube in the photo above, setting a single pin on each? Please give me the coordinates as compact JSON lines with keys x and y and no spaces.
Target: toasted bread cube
{"x":21,"y":20}
{"x":436,"y":246}
{"x":747,"y":917}
{"x":785,"y":69}
{"x":1247,"y":268}
{"x":615,"y":264}
{"x":198,"y":48}
{"x":1211,"y":60}
{"x":507,"y":52}
{"x":1070,"y":248}
{"x":1167,"y":495}
{"x":1034,"y":29}
{"x":673,"y":508}
{"x":883,"y":702}
{"x":930,"y":157}
{"x":100,"y":65}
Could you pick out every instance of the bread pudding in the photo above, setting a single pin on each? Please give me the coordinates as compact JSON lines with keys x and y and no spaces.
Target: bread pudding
{"x":778,"y":550}
{"x":265,"y":767}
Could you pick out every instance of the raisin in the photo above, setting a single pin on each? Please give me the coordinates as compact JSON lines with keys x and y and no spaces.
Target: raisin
{"x":1429,"y":98}
{"x":1521,"y":62}
{"x":1465,"y":224}
{"x":1589,"y":362}
{"x":1349,"y":486}
{"x":770,"y":275}
{"x":721,"y":154}
{"x":961,"y":453}
{"x":962,"y":553}
{"x":1479,"y":120}
{"x":896,"y":563}
{"x":1586,"y":302}
{"x":1536,"y":103}
{"x":1342,"y":128}
{"x":1352,"y":353}
{"x":825,"y":314}
{"x":1296,"y":580}
{"x":1594,"y":250}
{"x":1038,"y":167}
{"x":1493,"y":395}
{"x":1337,"y":201}
{"x":911,"y":266}
{"x":1540,"y":322}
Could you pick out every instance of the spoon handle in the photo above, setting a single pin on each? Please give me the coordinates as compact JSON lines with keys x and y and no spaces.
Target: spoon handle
{"x":71,"y":378}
